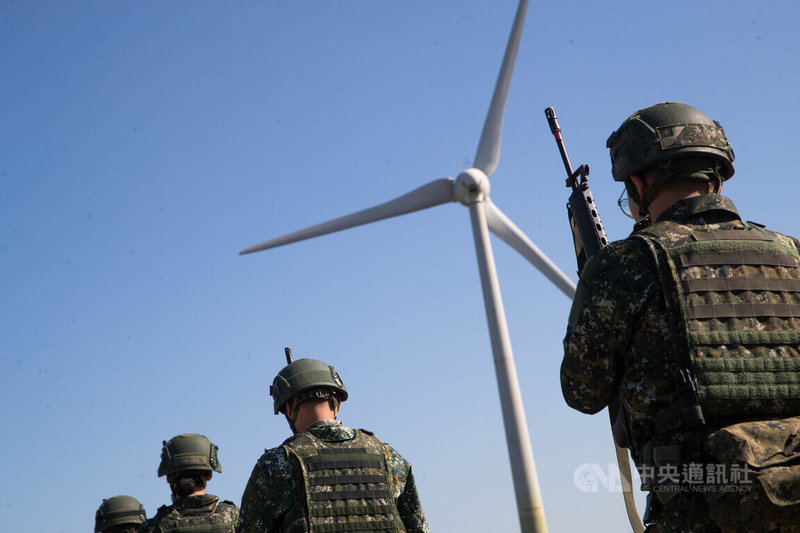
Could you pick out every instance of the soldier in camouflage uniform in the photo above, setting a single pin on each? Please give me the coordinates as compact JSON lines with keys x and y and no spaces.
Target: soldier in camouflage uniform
{"x":327,"y":477}
{"x":188,"y":460}
{"x":692,"y":324}
{"x":120,"y":514}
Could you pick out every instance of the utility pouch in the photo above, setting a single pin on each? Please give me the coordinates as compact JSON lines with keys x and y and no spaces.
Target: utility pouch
{"x":652,"y":510}
{"x":765,"y":492}
{"x":667,"y":462}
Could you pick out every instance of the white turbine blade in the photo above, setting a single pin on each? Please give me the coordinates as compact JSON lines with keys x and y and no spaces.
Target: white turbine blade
{"x":489,"y":147}
{"x":501,"y":225}
{"x":434,"y":193}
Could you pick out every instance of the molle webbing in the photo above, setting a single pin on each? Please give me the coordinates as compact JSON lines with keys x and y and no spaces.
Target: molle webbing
{"x":737,"y":258}
{"x":737,"y":297}
{"x":347,"y":485}
{"x":352,"y":478}
{"x":365,"y":494}
{"x":736,"y":248}
{"x":194,"y":520}
{"x":331,"y":459}
{"x":741,"y":284}
{"x":342,"y":511}
{"x":743,"y":310}
{"x":377,"y":526}
{"x":199,"y":528}
{"x":750,"y":378}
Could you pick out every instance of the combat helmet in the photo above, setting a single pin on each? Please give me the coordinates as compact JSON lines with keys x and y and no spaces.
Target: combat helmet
{"x":307,"y":378}
{"x":118,"y":511}
{"x":666,"y":131}
{"x":188,"y":451}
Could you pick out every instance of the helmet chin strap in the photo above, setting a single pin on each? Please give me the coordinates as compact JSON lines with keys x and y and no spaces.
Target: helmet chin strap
{"x":290,"y":418}
{"x":644,"y":215}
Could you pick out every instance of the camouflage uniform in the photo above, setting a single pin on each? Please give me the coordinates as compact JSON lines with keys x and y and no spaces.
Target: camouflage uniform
{"x":203,"y":513}
{"x":273,"y":493}
{"x":620,"y":342}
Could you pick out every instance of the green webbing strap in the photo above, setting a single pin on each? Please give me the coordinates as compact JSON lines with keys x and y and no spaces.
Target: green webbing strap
{"x":750,"y":378}
{"x":732,"y":235}
{"x":343,"y":455}
{"x":343,"y":451}
{"x":357,"y":494}
{"x":709,"y":338}
{"x":742,"y":284}
{"x":738,"y":258}
{"x":323,"y":463}
{"x":206,"y":528}
{"x":346,"y":479}
{"x":739,"y":245}
{"x":769,"y":366}
{"x":387,"y":526}
{"x":749,"y":392}
{"x":743,"y":310}
{"x":347,"y":510}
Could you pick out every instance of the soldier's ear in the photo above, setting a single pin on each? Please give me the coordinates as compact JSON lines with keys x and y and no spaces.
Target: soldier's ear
{"x":639,"y":183}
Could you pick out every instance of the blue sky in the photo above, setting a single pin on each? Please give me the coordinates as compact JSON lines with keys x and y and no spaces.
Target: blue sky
{"x":143,"y":144}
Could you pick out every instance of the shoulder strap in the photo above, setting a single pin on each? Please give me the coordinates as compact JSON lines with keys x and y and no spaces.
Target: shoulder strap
{"x":686,"y":408}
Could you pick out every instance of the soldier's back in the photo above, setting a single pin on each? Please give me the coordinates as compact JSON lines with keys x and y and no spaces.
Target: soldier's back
{"x":199,"y":514}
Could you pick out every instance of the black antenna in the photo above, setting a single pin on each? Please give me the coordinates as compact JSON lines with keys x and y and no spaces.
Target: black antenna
{"x":289,"y":358}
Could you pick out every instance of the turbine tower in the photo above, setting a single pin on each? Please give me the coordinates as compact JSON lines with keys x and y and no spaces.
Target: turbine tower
{"x":471,"y":188}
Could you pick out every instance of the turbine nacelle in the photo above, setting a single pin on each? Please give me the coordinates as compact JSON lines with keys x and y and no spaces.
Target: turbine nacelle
{"x":471,"y":186}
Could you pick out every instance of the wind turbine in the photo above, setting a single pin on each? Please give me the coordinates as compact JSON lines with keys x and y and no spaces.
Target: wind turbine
{"x":471,"y":188}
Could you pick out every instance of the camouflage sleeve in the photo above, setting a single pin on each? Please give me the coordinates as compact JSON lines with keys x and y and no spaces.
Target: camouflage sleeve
{"x":610,"y":296}
{"x":229,"y":514}
{"x":268,"y":495}
{"x":410,"y":508}
{"x":407,"y":497}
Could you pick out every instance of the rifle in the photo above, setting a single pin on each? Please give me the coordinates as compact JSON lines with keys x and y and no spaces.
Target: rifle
{"x":587,"y":229}
{"x":588,"y":237}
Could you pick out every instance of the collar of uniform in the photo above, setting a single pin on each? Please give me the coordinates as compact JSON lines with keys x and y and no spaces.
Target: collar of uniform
{"x":199,"y":500}
{"x":700,"y":205}
{"x":331,"y":430}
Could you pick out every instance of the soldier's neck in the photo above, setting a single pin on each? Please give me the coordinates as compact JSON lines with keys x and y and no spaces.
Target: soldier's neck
{"x":311,"y":412}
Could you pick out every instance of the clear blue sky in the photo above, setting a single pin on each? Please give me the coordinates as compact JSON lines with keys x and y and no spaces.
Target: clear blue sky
{"x":143,"y":144}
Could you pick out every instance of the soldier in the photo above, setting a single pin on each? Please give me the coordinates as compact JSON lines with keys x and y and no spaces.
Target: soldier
{"x":693,"y":324}
{"x":120,"y":514}
{"x":327,"y":477}
{"x":188,"y":460}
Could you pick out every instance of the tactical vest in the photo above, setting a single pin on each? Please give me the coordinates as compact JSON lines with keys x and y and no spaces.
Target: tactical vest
{"x":205,"y":519}
{"x":734,"y":300}
{"x":346,"y":487}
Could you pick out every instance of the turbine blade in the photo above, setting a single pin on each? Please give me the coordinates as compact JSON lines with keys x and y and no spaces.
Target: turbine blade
{"x":501,"y":225}
{"x":488,"y":153}
{"x":434,"y":193}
